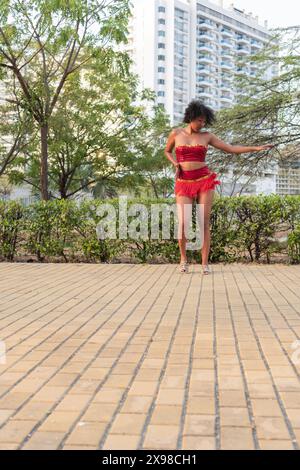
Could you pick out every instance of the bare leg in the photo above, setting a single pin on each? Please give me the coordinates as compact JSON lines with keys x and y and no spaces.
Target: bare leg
{"x":183,"y":218}
{"x":206,"y":198}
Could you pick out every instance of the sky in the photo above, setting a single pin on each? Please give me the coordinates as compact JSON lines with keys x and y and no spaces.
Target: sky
{"x":278,"y":14}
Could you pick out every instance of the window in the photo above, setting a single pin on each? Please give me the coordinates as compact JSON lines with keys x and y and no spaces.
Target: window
{"x":181,"y":38}
{"x":180,"y":61}
{"x":182,"y":27}
{"x":161,"y":33}
{"x":161,"y":57}
{"x":178,"y":73}
{"x":160,"y":81}
{"x":181,"y":14}
{"x":161,"y":21}
{"x":161,"y":45}
{"x":178,"y":108}
{"x":178,"y":84}
{"x":161,"y":93}
{"x":161,"y":69}
{"x":161,"y":9}
{"x":180,"y":49}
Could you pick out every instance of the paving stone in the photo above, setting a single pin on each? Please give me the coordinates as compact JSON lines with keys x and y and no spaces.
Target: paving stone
{"x":116,"y":442}
{"x":271,"y":428}
{"x":198,"y":443}
{"x":230,"y":416}
{"x":275,"y":445}
{"x":263,"y":407}
{"x":161,"y":437}
{"x":128,"y":423}
{"x":44,"y":441}
{"x":236,"y":438}
{"x":166,"y":414}
{"x":86,"y":433}
{"x":199,"y":425}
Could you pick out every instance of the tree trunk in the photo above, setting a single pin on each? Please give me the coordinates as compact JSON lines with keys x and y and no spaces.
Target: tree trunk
{"x":44,"y":163}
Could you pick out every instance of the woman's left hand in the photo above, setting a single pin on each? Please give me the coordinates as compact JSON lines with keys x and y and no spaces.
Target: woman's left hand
{"x":264,"y":147}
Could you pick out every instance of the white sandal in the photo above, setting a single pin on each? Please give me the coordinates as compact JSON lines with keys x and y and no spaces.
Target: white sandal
{"x":205,"y":269}
{"x":184,"y":267}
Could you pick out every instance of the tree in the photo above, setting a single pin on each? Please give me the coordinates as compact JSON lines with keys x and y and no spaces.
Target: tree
{"x":99,"y":140}
{"x":153,"y":173}
{"x":42,"y":43}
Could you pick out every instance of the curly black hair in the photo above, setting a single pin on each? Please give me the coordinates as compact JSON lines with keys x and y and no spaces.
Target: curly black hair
{"x":197,"y":108}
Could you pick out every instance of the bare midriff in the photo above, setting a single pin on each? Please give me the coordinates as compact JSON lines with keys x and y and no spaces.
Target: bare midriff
{"x":192,"y":165}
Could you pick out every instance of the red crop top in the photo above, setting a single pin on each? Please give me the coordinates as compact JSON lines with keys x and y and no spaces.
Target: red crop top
{"x":191,"y":153}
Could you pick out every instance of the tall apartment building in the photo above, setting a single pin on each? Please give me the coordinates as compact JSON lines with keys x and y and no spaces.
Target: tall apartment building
{"x":186,"y":49}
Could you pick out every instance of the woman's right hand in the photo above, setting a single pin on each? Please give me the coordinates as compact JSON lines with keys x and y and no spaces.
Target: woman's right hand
{"x":177,"y":166}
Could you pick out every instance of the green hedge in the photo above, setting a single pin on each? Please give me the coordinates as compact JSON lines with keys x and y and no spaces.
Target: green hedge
{"x":243,"y":228}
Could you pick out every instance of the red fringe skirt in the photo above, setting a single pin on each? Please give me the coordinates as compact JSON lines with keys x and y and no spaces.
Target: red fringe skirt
{"x":190,"y":183}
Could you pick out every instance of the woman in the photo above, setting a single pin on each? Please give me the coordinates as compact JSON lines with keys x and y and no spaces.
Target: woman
{"x":193,"y":178}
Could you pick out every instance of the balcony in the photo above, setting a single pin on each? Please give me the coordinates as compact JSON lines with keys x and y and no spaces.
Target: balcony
{"x":227,"y":33}
{"x":205,"y":25}
{"x":203,"y":81}
{"x":226,"y":99}
{"x":225,"y":41}
{"x":205,"y":35}
{"x":204,"y":47}
{"x":226,"y":86}
{"x":205,"y":94}
{"x":205,"y":59}
{"x":242,"y":50}
{"x":240,"y":71}
{"x":255,"y":45}
{"x":227,"y":65}
{"x":227,"y":53}
{"x":242,"y":40}
{"x":205,"y":70}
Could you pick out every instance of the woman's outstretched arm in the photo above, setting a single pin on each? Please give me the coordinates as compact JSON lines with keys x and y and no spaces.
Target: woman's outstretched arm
{"x":228,"y":148}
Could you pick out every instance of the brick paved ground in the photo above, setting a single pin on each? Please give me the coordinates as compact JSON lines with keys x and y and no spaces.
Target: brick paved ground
{"x":143,"y":357}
